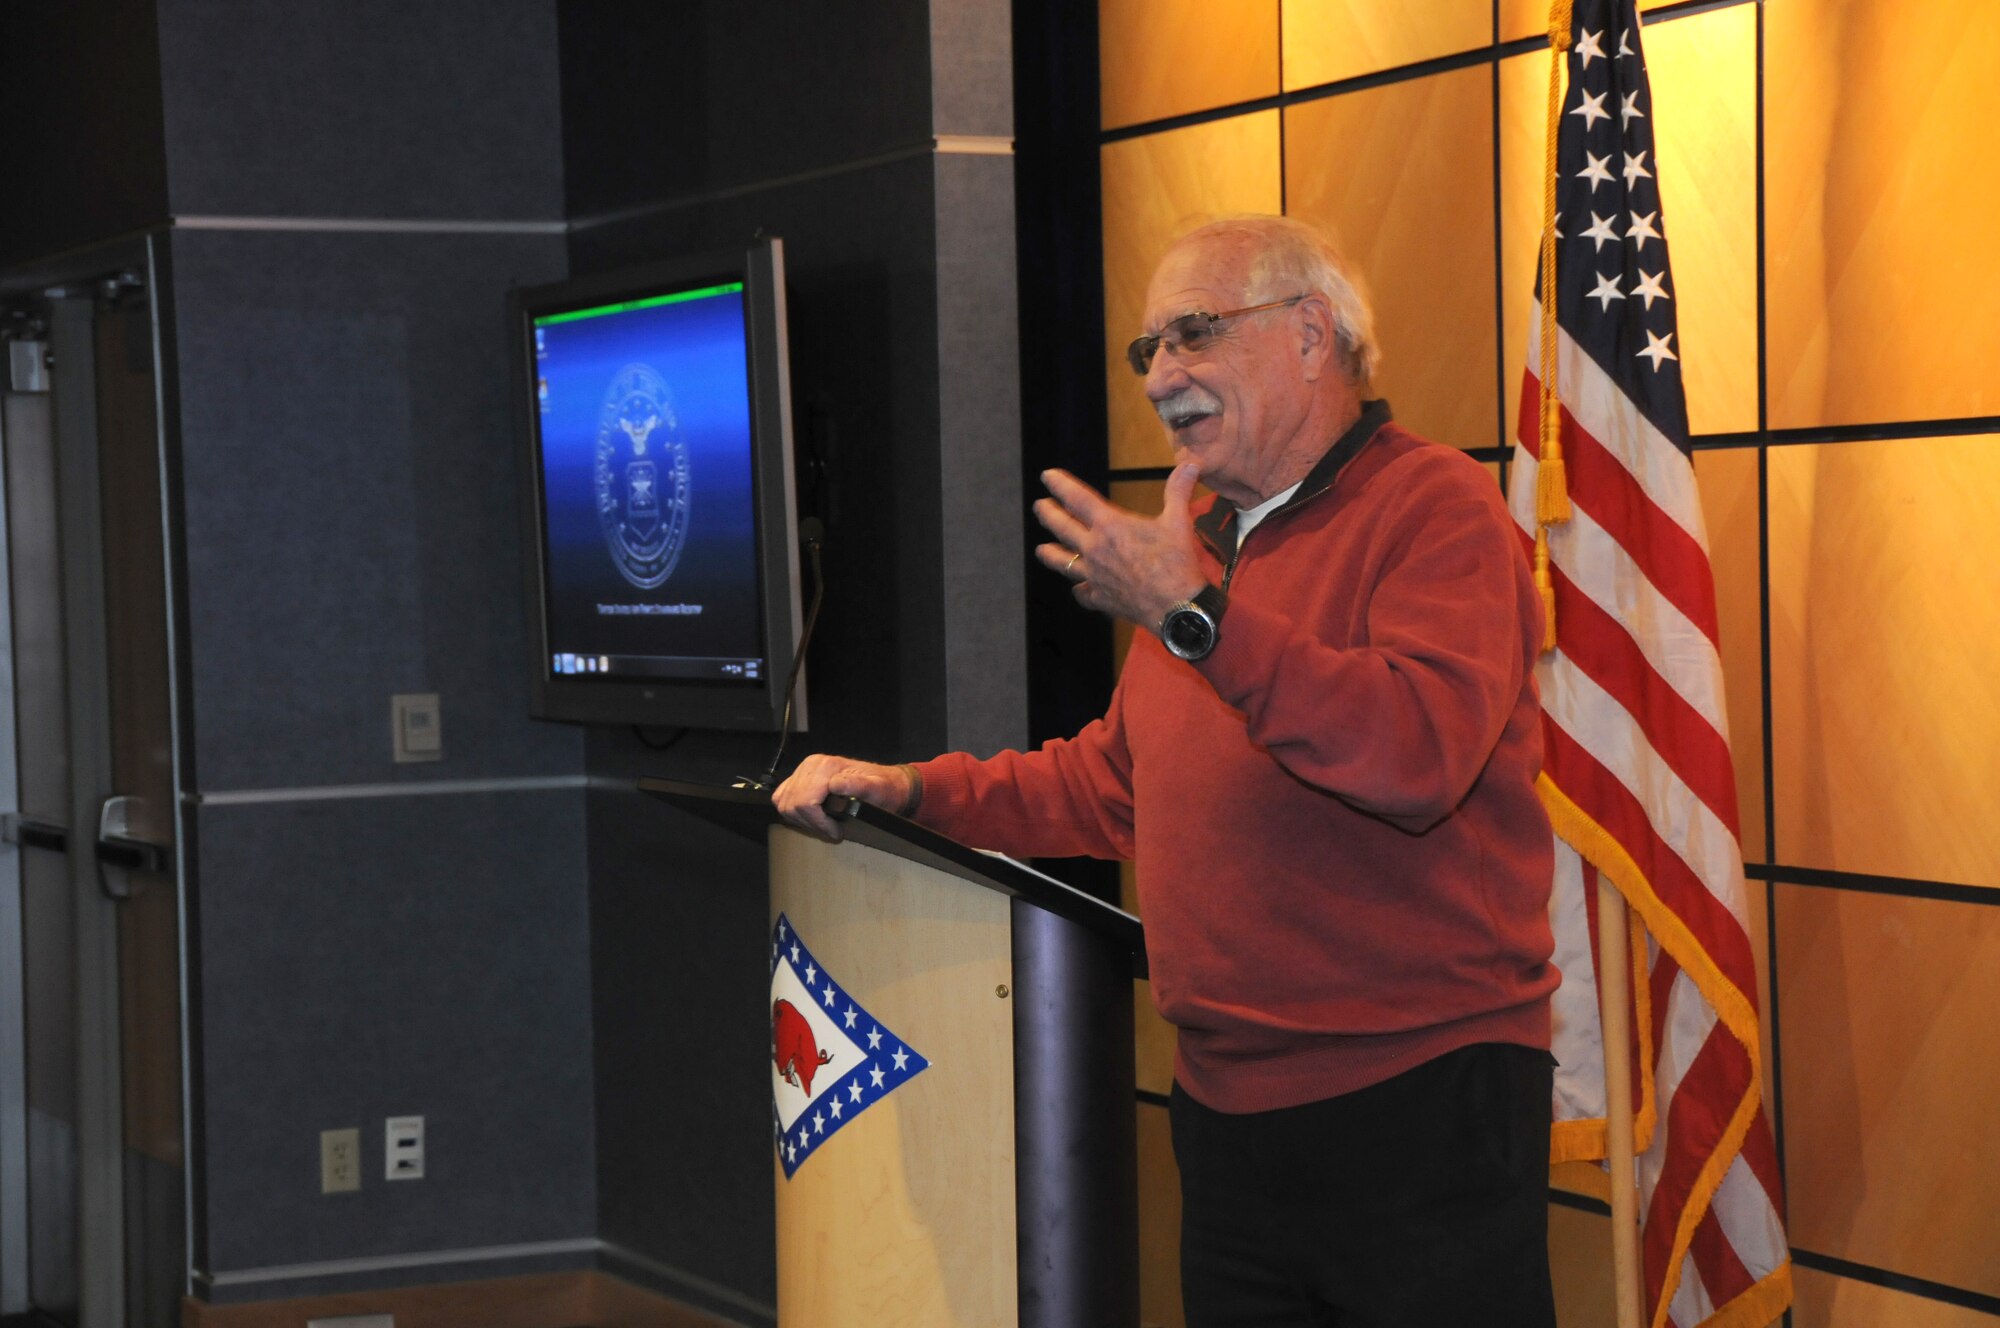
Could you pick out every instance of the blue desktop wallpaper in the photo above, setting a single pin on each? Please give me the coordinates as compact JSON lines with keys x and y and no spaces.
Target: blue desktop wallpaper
{"x":646,"y":462}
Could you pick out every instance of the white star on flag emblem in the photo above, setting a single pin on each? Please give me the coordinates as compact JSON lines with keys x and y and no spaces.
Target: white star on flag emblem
{"x":822,"y":1077}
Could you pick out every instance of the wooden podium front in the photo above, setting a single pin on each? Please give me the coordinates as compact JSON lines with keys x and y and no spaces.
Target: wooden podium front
{"x":998,"y":1185}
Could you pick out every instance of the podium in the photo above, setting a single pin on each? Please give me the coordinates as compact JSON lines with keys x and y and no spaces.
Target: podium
{"x":963,"y":1147}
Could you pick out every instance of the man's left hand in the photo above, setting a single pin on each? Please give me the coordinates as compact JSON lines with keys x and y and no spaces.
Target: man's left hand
{"x":1129,"y":566}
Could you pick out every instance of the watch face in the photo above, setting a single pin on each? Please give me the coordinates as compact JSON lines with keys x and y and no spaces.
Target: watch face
{"x":1189,"y":633}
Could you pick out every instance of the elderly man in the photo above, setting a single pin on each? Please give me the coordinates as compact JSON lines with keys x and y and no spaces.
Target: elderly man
{"x":1321,"y":756}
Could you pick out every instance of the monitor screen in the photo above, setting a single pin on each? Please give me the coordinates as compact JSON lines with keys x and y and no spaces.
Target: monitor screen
{"x":663,"y":519}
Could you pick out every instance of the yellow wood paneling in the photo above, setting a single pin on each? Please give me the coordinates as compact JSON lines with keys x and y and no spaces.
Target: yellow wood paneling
{"x":1524,"y":90}
{"x":1402,"y":177}
{"x":1328,"y":40}
{"x":1822,"y":1300}
{"x":1891,"y":1068}
{"x":1884,"y":628}
{"x":1580,"y":1267}
{"x":1155,"y":188}
{"x":1158,"y":58}
{"x":1704,"y":79}
{"x":1159,"y":1223}
{"x":1880,"y":209}
{"x":1528,"y":18}
{"x":1727,"y":481}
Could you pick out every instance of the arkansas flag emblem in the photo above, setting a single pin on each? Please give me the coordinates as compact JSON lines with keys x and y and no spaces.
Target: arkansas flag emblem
{"x":830,"y":1059}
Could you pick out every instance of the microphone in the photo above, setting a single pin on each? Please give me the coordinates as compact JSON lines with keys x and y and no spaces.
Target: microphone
{"x":812,"y":534}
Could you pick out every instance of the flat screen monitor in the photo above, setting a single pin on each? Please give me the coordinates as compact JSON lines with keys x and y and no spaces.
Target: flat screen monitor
{"x":658,"y":514}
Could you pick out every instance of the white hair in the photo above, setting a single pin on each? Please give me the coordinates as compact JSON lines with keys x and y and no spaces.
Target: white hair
{"x":1289,"y":256}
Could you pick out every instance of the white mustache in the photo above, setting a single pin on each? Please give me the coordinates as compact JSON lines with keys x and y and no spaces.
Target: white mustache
{"x":1189,"y":403}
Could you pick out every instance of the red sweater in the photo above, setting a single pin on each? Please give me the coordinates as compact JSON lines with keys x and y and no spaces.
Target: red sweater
{"x":1342,"y":863}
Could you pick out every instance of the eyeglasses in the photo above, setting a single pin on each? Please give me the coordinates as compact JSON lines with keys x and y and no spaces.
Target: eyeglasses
{"x":1190,"y":333}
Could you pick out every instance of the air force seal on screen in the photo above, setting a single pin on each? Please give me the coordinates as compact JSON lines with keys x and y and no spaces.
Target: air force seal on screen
{"x":642,"y":477}
{"x":830,"y":1059}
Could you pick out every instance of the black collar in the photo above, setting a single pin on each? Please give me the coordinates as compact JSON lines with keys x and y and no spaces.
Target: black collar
{"x":1217,"y":525}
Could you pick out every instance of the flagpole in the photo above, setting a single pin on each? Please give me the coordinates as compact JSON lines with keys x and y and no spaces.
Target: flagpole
{"x":1614,"y":998}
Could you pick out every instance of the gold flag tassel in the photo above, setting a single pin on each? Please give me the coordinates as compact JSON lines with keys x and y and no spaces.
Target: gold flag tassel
{"x":1551,"y":481}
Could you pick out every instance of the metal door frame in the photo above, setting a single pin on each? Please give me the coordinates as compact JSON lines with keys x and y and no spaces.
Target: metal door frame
{"x":13,"y":1007}
{"x":70,"y":283}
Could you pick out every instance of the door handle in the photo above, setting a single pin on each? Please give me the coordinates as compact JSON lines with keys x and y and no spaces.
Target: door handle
{"x":120,"y":853}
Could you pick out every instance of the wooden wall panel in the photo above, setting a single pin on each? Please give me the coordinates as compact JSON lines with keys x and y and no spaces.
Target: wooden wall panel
{"x":1826,"y":1301}
{"x":1155,"y":188}
{"x":1880,"y":211}
{"x":1329,"y":40}
{"x":1528,"y":18}
{"x":1884,"y":628}
{"x":1891,"y":1069}
{"x":1704,"y":79}
{"x":1402,"y":176}
{"x":1158,"y":58}
{"x":1580,"y":1266}
{"x":1159,"y":1223}
{"x":1524,"y":90}
{"x":1727,"y":481}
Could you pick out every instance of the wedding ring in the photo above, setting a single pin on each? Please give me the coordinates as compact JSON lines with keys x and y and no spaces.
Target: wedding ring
{"x":1070,"y":566}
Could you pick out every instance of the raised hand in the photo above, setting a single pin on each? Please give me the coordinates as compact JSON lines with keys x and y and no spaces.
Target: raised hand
{"x":1127,"y":565}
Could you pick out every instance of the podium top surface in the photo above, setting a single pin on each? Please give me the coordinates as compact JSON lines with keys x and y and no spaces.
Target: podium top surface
{"x":748,"y":812}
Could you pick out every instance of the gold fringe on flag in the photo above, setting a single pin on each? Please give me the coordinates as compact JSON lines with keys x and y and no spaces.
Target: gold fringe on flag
{"x":1551,"y":480}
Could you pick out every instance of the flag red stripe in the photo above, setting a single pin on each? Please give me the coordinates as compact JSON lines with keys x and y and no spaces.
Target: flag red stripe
{"x":1597,"y":791}
{"x":1695,"y":1121}
{"x":1670,"y":557}
{"x":1661,"y":984}
{"x":1598,"y":644}
{"x":1760,"y":1154}
{"x":1599,"y":483}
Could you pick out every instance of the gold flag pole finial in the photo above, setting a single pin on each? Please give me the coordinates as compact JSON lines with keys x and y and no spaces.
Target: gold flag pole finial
{"x":1551,"y":483}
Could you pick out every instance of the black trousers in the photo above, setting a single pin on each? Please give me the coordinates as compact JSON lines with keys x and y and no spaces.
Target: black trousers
{"x":1419,"y":1202}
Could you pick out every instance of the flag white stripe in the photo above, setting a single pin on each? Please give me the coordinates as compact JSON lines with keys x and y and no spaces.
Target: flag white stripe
{"x":1599,"y":567}
{"x":1690,"y":1021}
{"x":1691,"y":1304}
{"x":1595,"y":720}
{"x":1749,"y":1219}
{"x":1607,"y":414}
{"x":1579,"y":1078}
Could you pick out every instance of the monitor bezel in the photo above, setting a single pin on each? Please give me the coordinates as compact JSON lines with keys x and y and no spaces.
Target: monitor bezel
{"x":584,"y":699}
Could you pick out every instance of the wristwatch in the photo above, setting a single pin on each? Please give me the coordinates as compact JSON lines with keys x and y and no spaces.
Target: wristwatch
{"x":1193,"y":626}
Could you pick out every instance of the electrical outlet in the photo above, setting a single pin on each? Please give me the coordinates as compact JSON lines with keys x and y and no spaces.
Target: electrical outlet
{"x":339,"y":1161}
{"x":403,"y":1148}
{"x":416,"y":730}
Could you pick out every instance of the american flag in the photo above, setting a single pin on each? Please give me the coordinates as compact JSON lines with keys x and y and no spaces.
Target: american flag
{"x":1637,"y":777}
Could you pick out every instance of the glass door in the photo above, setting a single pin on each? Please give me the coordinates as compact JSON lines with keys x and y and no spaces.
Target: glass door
{"x":98,"y":1178}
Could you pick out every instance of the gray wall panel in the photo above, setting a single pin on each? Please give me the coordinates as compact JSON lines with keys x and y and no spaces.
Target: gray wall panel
{"x":368,"y":108}
{"x":979,"y":444}
{"x":680,"y":936}
{"x":350,"y":490}
{"x":972,"y":68}
{"x":373,"y":957}
{"x":676,"y":101}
